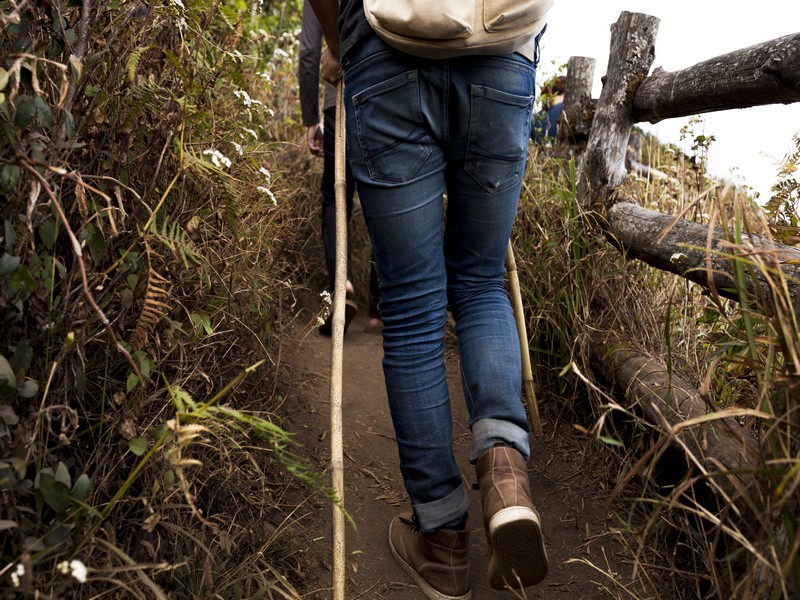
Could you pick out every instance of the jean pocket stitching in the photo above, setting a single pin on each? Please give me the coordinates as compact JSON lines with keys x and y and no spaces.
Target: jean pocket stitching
{"x":408,"y":82}
{"x":477,"y":157}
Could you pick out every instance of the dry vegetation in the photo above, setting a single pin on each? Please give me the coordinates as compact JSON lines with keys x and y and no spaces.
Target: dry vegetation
{"x":159,"y":248}
{"x":690,"y":535}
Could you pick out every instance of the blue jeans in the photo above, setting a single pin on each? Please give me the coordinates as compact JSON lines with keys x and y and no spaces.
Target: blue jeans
{"x":416,"y":129}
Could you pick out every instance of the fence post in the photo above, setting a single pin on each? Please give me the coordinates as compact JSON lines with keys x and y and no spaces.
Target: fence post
{"x":632,"y":53}
{"x":576,"y":119}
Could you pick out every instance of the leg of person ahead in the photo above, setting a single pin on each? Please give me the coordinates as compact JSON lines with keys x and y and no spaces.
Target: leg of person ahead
{"x":329,"y":217}
{"x":396,"y":125}
{"x":483,"y":182}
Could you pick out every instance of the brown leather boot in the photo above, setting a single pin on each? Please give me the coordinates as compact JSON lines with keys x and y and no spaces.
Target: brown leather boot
{"x":513,"y":531}
{"x":438,"y":562}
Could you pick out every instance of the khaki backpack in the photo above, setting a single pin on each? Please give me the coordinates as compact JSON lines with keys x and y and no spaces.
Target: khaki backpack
{"x":448,"y":28}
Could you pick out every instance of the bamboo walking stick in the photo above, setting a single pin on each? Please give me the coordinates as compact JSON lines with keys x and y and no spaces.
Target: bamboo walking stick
{"x":522,"y":331}
{"x":337,"y":345}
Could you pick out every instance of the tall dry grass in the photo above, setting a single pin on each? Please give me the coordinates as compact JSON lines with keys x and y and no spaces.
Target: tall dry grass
{"x":685,"y":539}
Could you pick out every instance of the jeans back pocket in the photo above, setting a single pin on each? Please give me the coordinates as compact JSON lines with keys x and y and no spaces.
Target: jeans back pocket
{"x":497,"y":142}
{"x":390,"y":127}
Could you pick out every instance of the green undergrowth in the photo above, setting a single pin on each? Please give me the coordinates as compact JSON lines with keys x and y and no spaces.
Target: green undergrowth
{"x":148,"y":273}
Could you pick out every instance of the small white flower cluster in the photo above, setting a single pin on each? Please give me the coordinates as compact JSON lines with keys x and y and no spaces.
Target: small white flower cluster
{"x":178,"y":3}
{"x":218,"y":158}
{"x":290,"y":40}
{"x":246,"y":99}
{"x":268,"y":193}
{"x":16,"y":574}
{"x":75,"y":567}
{"x":281,"y":54}
{"x":238,"y":148}
{"x":264,"y":189}
{"x":251,"y":132}
{"x":328,"y":302}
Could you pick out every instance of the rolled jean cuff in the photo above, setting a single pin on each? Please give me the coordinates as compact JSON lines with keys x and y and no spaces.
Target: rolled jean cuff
{"x":488,"y":432}
{"x":433,"y":515}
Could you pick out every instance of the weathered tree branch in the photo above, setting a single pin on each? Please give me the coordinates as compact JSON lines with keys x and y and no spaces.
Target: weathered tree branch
{"x":767,"y":73}
{"x":705,"y":257}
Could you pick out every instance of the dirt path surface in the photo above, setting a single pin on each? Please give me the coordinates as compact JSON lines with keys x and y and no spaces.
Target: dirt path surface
{"x":569,"y":483}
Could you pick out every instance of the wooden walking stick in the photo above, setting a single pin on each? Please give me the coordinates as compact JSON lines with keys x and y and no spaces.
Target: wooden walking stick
{"x":337,"y":345}
{"x":522,"y":331}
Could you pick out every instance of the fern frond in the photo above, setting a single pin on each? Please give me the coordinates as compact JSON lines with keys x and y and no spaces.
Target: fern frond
{"x":175,"y":238}
{"x":148,"y":96}
{"x":133,"y":61}
{"x":155,"y":305}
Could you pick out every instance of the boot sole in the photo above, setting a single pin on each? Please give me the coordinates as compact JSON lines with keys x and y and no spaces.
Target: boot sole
{"x":423,"y":585}
{"x":517,"y":556}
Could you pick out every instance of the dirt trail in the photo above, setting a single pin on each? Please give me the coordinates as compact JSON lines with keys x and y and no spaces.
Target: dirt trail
{"x":568,"y":481}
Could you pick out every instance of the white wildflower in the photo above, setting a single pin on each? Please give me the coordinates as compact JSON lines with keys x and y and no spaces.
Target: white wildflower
{"x":16,"y":574}
{"x":327,"y":302}
{"x":281,"y":53}
{"x":218,"y":158}
{"x":178,"y":3}
{"x":75,"y":568}
{"x":238,"y":148}
{"x":268,"y":192}
{"x":253,"y":133}
{"x":267,"y":175}
{"x":265,"y":76}
{"x":270,"y":112}
{"x":246,"y":99}
{"x":78,"y":570}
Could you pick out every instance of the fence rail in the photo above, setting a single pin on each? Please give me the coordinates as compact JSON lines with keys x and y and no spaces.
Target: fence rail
{"x":596,"y":134}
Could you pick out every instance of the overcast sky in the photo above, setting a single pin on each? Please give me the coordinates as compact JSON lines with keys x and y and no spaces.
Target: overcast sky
{"x":690,"y":31}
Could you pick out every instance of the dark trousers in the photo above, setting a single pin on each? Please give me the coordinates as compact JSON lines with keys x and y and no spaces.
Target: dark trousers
{"x":329,"y":198}
{"x":329,"y":213}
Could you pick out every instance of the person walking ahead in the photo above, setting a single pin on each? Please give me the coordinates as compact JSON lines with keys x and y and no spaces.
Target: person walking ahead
{"x":417,"y":128}
{"x":321,"y":142}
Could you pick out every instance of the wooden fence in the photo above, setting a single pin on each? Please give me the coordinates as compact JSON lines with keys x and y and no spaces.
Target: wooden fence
{"x":596,"y":134}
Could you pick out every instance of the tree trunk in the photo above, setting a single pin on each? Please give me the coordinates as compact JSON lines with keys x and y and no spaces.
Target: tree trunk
{"x":632,"y":50}
{"x":767,"y":73}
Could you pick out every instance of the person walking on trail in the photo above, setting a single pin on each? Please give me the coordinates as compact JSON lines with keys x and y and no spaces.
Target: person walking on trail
{"x":417,"y":128}
{"x":544,"y":126}
{"x":321,"y":142}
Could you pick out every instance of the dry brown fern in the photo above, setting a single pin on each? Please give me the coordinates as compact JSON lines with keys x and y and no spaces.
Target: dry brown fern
{"x":155,"y":306}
